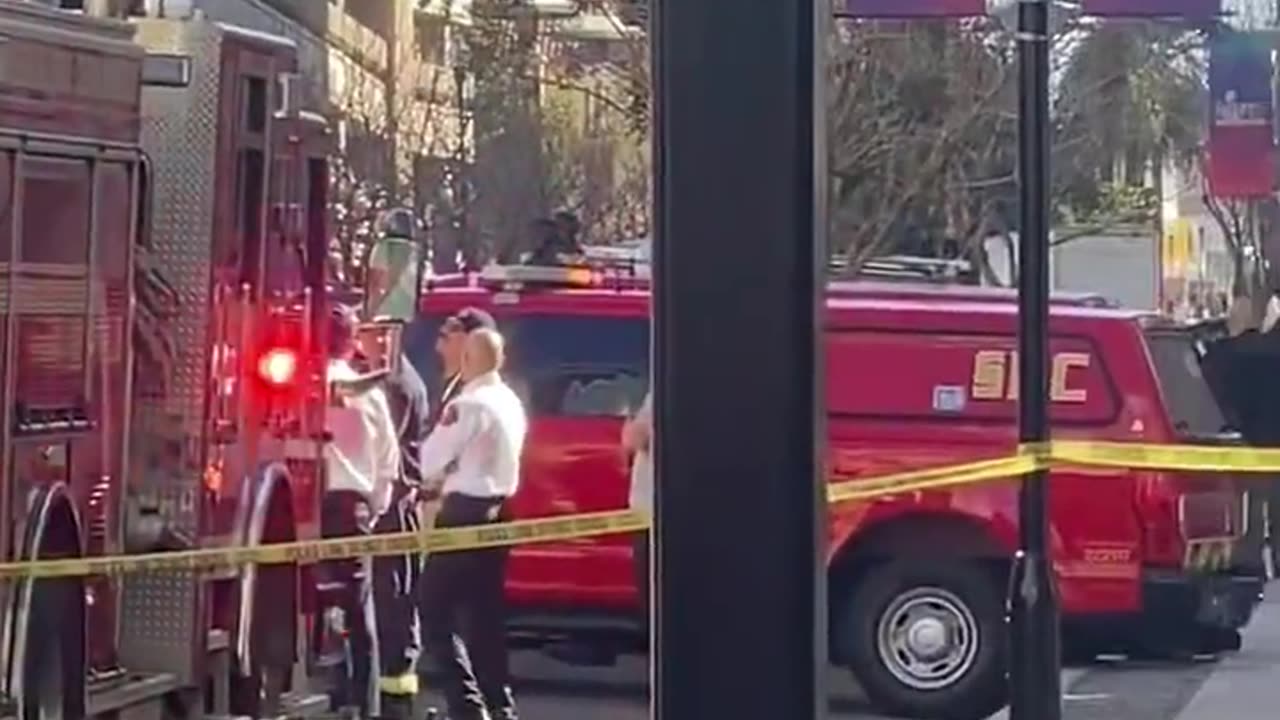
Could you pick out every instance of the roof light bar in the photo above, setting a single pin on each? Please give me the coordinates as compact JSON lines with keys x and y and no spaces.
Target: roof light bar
{"x":537,"y":275}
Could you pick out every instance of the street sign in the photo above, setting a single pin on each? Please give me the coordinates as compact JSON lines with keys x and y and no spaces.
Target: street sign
{"x":888,"y":9}
{"x":1192,"y":9}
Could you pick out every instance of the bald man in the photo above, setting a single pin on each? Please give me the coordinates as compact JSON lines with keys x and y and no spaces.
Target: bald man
{"x":473,"y":455}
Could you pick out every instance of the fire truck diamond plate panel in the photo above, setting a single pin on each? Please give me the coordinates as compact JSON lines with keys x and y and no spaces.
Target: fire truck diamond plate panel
{"x":180,"y":132}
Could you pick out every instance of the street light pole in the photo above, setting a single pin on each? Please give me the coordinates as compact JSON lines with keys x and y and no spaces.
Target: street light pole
{"x":1035,"y":660}
{"x":460,"y":191}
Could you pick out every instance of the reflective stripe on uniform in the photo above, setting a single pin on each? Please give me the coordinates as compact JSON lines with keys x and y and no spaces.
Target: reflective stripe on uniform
{"x":406,"y":684}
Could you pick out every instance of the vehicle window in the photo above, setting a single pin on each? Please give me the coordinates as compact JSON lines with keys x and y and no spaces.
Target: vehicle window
{"x":1192,"y":407}
{"x":567,"y":366}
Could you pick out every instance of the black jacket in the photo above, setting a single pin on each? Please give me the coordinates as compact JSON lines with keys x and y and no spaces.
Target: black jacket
{"x":1246,"y":372}
{"x":410,"y":410}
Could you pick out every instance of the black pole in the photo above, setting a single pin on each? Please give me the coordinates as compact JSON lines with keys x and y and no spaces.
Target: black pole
{"x":740,"y":514}
{"x":1035,"y":661}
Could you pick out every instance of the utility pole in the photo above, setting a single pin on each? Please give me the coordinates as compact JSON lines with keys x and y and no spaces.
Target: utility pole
{"x":1035,"y":660}
{"x":739,"y":528}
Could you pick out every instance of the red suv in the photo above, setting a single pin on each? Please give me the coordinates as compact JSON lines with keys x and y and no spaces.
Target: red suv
{"x":919,"y":376}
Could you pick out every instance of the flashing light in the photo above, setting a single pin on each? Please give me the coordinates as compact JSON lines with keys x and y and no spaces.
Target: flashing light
{"x":538,"y":275}
{"x":278,"y":366}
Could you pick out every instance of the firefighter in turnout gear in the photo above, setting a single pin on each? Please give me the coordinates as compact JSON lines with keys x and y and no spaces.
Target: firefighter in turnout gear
{"x":396,"y":577}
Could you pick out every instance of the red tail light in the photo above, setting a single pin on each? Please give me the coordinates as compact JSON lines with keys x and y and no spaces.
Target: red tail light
{"x":1177,"y":508}
{"x":1159,"y":512}
{"x":278,"y":367}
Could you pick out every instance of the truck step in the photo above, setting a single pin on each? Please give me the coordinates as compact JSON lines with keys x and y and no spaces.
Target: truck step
{"x":139,"y":695}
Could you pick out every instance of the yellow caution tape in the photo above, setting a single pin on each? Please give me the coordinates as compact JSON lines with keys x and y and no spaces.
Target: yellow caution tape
{"x":435,"y":540}
{"x":1159,"y":457}
{"x":1028,"y":458}
{"x":934,"y":478}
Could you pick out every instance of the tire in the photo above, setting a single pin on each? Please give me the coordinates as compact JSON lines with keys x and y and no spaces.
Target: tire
{"x":955,"y":668}
{"x":258,"y":693}
{"x":55,"y":659}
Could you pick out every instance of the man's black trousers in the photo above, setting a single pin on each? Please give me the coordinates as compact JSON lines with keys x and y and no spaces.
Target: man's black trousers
{"x":464,"y":615}
{"x":379,"y":607}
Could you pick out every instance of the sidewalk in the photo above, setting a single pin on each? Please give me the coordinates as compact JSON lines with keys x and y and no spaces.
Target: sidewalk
{"x":1245,"y":686}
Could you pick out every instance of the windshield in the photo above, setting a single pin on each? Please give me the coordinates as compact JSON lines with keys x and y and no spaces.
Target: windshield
{"x":565,"y":366}
{"x":1190,"y":402}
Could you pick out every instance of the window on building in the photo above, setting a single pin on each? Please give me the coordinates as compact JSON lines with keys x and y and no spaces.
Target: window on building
{"x":253,"y":103}
{"x":433,"y":41}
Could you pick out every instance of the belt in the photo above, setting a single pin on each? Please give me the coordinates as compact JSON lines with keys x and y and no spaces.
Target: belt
{"x":477,"y":498}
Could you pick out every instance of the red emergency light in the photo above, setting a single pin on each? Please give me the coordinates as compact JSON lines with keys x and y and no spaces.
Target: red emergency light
{"x":278,"y":367}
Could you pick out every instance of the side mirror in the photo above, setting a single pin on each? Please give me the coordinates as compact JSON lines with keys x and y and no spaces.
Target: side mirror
{"x":392,"y":279}
{"x":380,"y":343}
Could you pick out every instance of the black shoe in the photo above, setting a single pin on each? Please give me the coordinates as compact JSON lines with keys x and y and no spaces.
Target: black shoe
{"x":397,"y":707}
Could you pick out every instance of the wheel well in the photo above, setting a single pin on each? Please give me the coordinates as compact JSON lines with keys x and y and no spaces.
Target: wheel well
{"x":925,"y":536}
{"x":279,"y":525}
{"x":61,"y":536}
{"x":268,"y":598}
{"x":55,"y":607}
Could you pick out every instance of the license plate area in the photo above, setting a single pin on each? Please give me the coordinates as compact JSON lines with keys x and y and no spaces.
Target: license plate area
{"x":1213,"y":516}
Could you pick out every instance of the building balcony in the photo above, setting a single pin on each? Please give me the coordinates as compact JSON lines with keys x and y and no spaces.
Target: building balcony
{"x":363,"y":45}
{"x":343,"y":31}
{"x":498,"y":9}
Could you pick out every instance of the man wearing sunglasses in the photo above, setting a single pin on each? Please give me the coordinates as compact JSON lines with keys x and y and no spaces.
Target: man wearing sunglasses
{"x":449,"y":345}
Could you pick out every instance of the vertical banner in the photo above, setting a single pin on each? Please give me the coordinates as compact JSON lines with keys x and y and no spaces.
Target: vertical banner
{"x":1194,"y":9}
{"x":1241,"y":141}
{"x":894,"y":9}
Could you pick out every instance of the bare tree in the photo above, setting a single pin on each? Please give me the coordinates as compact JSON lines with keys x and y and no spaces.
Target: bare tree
{"x":389,"y":122}
{"x":596,"y":125}
{"x":920,"y":138}
{"x":923,"y":136}
{"x":561,"y":121}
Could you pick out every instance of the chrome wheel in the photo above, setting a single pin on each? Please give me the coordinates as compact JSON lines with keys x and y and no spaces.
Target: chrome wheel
{"x":927,"y":638}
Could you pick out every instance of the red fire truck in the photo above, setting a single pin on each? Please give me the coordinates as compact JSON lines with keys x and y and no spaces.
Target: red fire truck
{"x":161,"y":300}
{"x":919,"y":376}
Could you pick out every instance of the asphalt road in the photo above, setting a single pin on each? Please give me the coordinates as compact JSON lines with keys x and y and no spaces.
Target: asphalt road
{"x":1241,"y":686}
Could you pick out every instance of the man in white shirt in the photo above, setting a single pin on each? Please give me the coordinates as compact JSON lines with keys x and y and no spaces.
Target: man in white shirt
{"x":363,"y":466}
{"x":449,"y":344}
{"x":473,"y":455}
{"x":637,"y":438}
